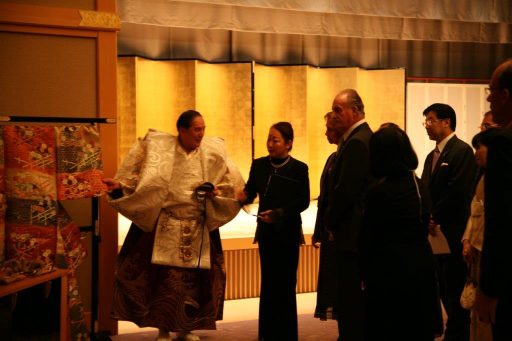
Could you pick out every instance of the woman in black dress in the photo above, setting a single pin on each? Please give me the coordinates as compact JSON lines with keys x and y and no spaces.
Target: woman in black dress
{"x":398,"y":265}
{"x":282,"y":184}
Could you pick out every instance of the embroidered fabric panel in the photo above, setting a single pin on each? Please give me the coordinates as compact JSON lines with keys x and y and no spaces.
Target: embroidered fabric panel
{"x":38,"y":166}
{"x":2,"y":198}
{"x":30,"y":170}
{"x":79,"y":166}
{"x":74,"y":250}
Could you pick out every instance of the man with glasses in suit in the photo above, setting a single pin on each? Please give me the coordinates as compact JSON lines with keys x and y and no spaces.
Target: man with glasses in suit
{"x":449,"y":173}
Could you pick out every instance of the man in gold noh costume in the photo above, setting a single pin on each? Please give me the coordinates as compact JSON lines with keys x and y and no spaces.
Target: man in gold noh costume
{"x":177,"y":191}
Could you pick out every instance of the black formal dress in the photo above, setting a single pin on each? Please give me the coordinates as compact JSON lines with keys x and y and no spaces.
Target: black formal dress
{"x":283,"y":188}
{"x":397,"y":263}
{"x":496,"y":261}
{"x":450,"y":186}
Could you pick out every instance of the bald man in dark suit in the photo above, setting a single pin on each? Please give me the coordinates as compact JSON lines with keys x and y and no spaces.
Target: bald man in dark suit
{"x":347,"y":185}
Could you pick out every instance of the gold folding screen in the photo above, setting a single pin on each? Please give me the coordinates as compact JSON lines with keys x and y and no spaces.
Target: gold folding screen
{"x":383,"y":93}
{"x":153,"y":93}
{"x":223,"y":96}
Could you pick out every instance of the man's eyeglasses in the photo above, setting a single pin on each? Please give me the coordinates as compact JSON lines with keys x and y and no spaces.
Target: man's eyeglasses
{"x":489,"y":90}
{"x":428,"y":123}
{"x":487,"y":125}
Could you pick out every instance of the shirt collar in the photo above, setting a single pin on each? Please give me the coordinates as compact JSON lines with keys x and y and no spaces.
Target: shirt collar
{"x":444,"y":141}
{"x":181,"y":150}
{"x":351,"y":129}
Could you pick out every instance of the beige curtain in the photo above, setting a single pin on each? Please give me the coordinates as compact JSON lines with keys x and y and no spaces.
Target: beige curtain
{"x":443,"y":38}
{"x":463,"y":20}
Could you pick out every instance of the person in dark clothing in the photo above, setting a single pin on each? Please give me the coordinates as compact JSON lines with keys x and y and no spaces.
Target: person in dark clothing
{"x":397,"y":262}
{"x":449,"y":174}
{"x":494,"y":299}
{"x":322,"y":238}
{"x":346,"y":188}
{"x":282,"y":184}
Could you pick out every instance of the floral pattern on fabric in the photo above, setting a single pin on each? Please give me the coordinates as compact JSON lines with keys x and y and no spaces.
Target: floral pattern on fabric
{"x":30,"y":148}
{"x":73,"y":247}
{"x":76,"y":311}
{"x":36,"y":243}
{"x":29,"y":157}
{"x":3,"y":206}
{"x":79,"y":166}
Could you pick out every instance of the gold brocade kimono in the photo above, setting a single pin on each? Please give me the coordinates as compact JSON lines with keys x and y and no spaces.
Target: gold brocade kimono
{"x":159,"y":178}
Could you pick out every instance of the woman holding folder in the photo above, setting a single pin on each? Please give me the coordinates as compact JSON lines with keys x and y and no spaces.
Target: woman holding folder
{"x":282,"y":184}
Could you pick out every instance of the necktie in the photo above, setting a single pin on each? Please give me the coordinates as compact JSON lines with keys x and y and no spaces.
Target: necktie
{"x":435,"y":158}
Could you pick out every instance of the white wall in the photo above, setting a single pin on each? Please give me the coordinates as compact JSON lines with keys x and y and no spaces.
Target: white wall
{"x":468,"y":101}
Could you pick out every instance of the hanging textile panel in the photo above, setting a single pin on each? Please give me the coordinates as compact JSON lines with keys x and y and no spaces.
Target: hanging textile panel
{"x":2,"y":198}
{"x":79,"y":167}
{"x":30,"y":171}
{"x":43,"y":165}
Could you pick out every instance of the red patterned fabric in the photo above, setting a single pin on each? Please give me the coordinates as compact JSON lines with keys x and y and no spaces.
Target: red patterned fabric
{"x":2,"y":198}
{"x":42,"y":165}
{"x":79,"y":166}
{"x":30,"y":170}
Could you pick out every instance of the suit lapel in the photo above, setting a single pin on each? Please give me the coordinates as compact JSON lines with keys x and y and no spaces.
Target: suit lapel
{"x":444,"y":153}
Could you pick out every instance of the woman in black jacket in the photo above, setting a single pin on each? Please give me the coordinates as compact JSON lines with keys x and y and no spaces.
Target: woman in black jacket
{"x":282,"y":184}
{"x":398,"y":265}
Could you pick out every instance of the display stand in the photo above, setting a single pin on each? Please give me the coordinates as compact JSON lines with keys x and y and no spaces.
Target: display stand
{"x":29,"y":282}
{"x":93,"y":228}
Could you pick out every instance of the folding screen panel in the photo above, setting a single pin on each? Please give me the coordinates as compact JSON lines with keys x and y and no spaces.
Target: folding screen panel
{"x":383,"y":93}
{"x":164,"y":90}
{"x":223,"y":96}
{"x":280,"y":94}
{"x":126,"y":106}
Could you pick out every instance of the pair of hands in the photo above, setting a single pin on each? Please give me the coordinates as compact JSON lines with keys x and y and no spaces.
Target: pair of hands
{"x":264,"y":216}
{"x":316,"y":242}
{"x":111,"y":184}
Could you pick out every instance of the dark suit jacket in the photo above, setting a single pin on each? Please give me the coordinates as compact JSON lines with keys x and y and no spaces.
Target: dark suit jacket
{"x":496,"y":276}
{"x":451,"y":188}
{"x":284,"y":190}
{"x":347,"y":186}
{"x":322,"y":198}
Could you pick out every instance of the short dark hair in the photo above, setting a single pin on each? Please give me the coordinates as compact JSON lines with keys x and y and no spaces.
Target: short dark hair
{"x":443,"y":111}
{"x":286,"y":130}
{"x":186,"y":118}
{"x":389,"y":124}
{"x":484,"y":137}
{"x":391,"y":153}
